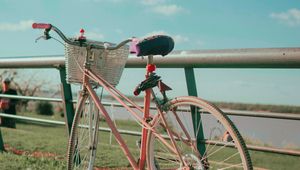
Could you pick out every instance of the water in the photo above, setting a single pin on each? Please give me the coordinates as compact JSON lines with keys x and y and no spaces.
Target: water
{"x":274,"y":132}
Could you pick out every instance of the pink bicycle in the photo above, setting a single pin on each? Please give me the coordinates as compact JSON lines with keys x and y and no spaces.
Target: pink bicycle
{"x":174,"y":133}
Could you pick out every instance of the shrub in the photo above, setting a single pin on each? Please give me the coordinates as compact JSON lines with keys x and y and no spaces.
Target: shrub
{"x":44,"y":108}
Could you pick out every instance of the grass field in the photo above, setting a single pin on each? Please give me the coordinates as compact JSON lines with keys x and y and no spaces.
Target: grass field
{"x":44,"y":147}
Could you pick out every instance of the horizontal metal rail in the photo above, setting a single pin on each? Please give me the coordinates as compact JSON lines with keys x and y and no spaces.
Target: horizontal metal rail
{"x":228,"y":58}
{"x":286,"y":116}
{"x":134,"y":133}
{"x":55,"y":122}
{"x":32,"y":119}
{"x":49,"y":61}
{"x":34,"y":98}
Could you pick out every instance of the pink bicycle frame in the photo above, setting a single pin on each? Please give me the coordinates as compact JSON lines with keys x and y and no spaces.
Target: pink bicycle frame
{"x":118,"y":95}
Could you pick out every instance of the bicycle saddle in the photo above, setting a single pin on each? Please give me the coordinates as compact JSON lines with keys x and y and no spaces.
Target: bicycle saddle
{"x":154,"y":45}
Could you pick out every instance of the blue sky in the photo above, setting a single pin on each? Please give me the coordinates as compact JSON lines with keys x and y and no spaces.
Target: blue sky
{"x":196,"y":24}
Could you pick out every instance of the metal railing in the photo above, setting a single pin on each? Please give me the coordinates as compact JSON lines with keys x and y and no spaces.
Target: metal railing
{"x":134,"y":133}
{"x":233,"y":58}
{"x":229,"y":58}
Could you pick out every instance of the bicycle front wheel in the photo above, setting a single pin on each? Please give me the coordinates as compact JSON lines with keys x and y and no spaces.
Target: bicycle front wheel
{"x":84,"y":135}
{"x":192,"y":133}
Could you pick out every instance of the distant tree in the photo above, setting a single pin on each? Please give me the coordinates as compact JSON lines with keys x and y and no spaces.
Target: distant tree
{"x":25,"y":86}
{"x":44,"y":108}
{"x":11,"y":73}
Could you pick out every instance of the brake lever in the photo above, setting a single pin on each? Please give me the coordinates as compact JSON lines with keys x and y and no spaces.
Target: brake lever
{"x":46,"y":35}
{"x":36,"y":40}
{"x":43,"y":37}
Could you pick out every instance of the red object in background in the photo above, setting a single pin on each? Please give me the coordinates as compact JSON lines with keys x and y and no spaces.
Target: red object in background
{"x":4,"y":104}
{"x":81,"y":36}
{"x":151,"y":68}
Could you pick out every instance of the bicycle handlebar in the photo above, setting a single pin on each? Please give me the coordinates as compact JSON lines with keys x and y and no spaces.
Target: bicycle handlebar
{"x":41,"y":26}
{"x":49,"y":27}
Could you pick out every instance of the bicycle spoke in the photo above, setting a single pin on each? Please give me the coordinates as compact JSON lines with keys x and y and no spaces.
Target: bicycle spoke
{"x":181,"y":125}
{"x":232,"y":166}
{"x":199,"y":125}
{"x":233,"y":155}
{"x":216,"y":154}
{"x":161,"y":139}
{"x":222,"y":147}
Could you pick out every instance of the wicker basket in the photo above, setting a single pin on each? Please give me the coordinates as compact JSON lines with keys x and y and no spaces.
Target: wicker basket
{"x":107,"y":64}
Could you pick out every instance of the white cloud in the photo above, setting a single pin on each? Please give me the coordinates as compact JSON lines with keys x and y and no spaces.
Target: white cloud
{"x":180,"y":38}
{"x":152,"y":2}
{"x":200,"y":43}
{"x":94,"y":35}
{"x":156,"y":33}
{"x":168,"y":10}
{"x":20,"y":26}
{"x":183,"y":52}
{"x":103,"y":1}
{"x":290,"y":17}
{"x":156,"y":6}
{"x":177,"y":38}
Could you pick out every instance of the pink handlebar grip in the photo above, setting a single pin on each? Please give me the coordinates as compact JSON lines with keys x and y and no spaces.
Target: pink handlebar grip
{"x":41,"y":26}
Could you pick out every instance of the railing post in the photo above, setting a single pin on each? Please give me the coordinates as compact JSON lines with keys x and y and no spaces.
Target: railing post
{"x":192,"y":91}
{"x":67,"y":99}
{"x":1,"y":142}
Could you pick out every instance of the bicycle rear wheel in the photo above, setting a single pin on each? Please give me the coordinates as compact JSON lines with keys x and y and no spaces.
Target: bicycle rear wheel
{"x":204,"y":138}
{"x":84,"y":135}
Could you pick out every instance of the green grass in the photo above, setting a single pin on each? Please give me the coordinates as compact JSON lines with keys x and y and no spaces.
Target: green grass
{"x":53,"y":139}
{"x":9,"y":161}
{"x":33,"y":138}
{"x":275,"y":161}
{"x":44,"y":138}
{"x":55,"y":116}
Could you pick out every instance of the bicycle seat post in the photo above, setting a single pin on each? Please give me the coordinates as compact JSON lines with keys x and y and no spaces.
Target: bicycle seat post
{"x":150,"y":66}
{"x":150,"y":59}
{"x":146,"y":114}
